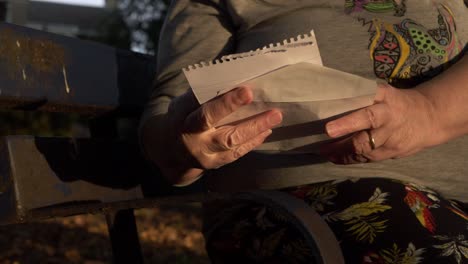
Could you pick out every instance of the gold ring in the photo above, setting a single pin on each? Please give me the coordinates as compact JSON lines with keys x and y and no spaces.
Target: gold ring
{"x":371,"y":139}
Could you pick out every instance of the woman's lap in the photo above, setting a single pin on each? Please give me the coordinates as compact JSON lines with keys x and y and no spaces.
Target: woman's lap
{"x":375,"y":220}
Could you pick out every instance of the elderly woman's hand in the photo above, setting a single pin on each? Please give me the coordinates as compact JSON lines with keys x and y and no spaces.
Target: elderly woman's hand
{"x":187,"y":140}
{"x":400,"y":123}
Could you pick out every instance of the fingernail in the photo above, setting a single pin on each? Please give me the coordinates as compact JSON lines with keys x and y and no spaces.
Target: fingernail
{"x":333,"y":130}
{"x":275,"y":118}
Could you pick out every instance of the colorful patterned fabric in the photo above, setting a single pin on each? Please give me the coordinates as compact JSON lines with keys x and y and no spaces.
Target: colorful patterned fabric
{"x":375,"y":220}
{"x":407,"y":53}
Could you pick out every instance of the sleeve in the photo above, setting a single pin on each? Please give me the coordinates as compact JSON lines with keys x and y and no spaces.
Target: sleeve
{"x":194,"y":31}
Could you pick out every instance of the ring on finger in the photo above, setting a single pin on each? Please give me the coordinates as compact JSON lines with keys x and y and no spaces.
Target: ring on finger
{"x":371,"y":139}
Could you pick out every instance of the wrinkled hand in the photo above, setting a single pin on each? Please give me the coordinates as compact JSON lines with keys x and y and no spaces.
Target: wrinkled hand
{"x":401,"y":123}
{"x":193,"y":143}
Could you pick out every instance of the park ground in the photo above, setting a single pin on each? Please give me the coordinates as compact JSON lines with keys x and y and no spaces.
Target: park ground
{"x":167,"y":235}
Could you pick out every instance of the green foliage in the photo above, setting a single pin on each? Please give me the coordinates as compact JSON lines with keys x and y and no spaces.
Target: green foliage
{"x":113,"y":31}
{"x":366,"y":228}
{"x":136,"y":24}
{"x":144,"y":19}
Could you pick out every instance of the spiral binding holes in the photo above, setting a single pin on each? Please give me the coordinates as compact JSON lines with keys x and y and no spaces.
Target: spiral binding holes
{"x":291,"y":42}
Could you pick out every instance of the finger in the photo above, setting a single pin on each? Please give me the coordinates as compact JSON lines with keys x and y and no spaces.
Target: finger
{"x":362,"y":141}
{"x":335,"y":151}
{"x":356,"y":148}
{"x":370,"y":117}
{"x":382,"y":92}
{"x":381,"y":154}
{"x":231,"y":136}
{"x":206,"y":116}
{"x":234,"y":154}
{"x":349,"y":159}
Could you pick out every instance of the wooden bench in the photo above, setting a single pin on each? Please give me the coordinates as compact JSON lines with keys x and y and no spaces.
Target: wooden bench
{"x":44,"y":177}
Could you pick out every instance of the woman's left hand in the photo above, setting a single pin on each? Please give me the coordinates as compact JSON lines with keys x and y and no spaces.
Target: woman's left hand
{"x":398,"y":124}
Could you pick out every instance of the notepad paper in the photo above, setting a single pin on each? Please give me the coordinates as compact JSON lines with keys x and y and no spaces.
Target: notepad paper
{"x":289,"y":76}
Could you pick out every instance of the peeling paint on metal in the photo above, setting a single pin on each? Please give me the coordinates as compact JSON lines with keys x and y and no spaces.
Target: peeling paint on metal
{"x":36,"y":61}
{"x":67,"y":87}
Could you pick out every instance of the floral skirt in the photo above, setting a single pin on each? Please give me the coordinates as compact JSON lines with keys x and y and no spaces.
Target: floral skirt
{"x":375,"y":220}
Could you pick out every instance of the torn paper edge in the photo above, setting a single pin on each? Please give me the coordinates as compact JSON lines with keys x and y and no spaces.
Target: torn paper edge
{"x":211,"y":79}
{"x":299,"y":41}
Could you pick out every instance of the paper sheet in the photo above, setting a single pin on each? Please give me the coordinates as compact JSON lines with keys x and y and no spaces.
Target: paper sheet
{"x":210,"y":79}
{"x":288,"y":76}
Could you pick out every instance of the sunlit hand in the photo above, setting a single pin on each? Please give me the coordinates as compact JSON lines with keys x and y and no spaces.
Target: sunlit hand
{"x":398,"y":124}
{"x":189,"y":142}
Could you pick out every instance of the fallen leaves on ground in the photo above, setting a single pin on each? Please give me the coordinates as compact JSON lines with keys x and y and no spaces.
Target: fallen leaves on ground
{"x":167,"y":235}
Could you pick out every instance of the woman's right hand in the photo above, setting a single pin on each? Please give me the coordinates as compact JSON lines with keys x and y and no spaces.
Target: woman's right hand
{"x":186,"y":141}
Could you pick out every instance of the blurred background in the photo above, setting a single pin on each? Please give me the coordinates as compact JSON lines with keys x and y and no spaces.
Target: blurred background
{"x":167,"y":234}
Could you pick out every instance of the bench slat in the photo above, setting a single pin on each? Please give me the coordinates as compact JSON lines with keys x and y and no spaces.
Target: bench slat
{"x":49,"y":72}
{"x":45,"y":177}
